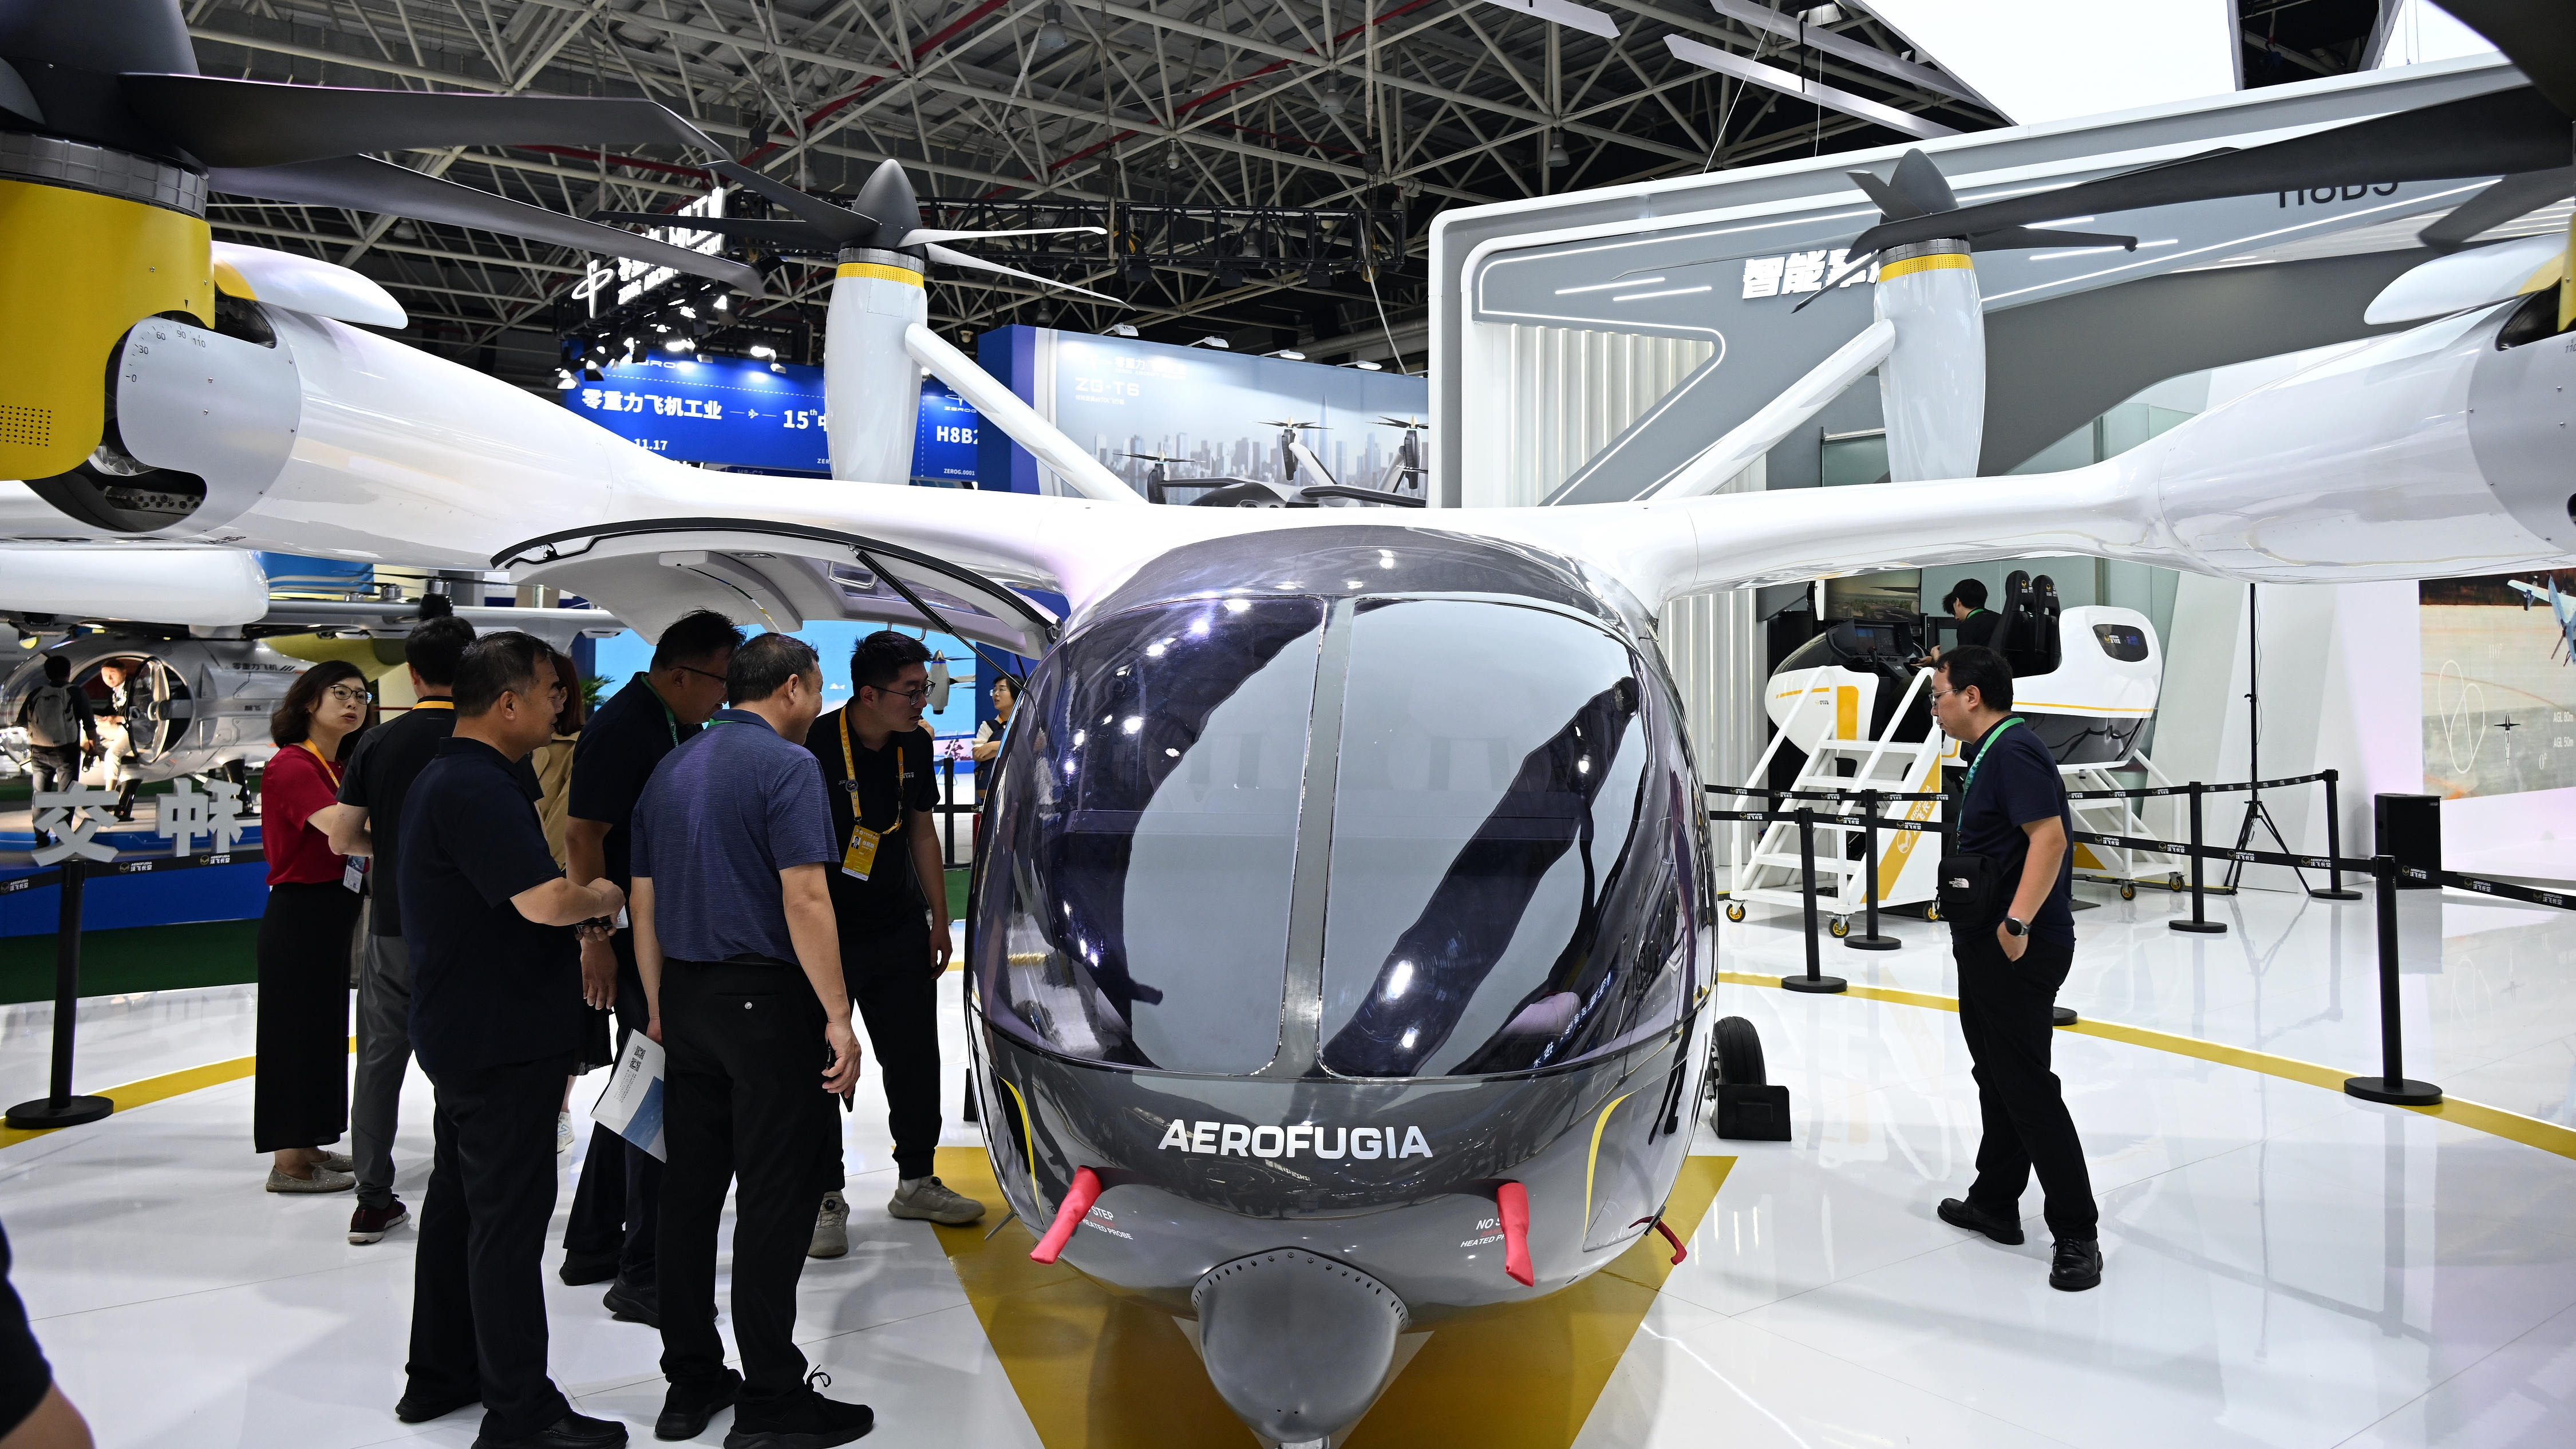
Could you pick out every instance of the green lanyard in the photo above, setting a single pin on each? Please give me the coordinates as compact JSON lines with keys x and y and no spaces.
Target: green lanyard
{"x":670,"y":721}
{"x":1984,"y":745}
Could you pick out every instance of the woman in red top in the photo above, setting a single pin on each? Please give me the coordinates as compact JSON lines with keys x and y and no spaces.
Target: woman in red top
{"x":301,"y":1100}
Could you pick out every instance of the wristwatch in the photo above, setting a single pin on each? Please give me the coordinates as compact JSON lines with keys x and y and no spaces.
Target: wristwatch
{"x":2015,"y":926}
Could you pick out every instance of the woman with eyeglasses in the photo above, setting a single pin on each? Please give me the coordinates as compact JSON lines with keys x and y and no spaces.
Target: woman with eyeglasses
{"x":301,"y":1100}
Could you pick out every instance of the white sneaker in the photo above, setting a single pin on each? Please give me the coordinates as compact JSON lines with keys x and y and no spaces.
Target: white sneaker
{"x":831,"y":1228}
{"x":929,"y":1200}
{"x":563,"y":1133}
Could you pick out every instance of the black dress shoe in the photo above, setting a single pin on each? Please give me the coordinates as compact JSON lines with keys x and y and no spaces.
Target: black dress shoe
{"x":686,"y":1409}
{"x":418,"y":1407}
{"x":582,"y":1272}
{"x":2077,"y":1265}
{"x":1961,"y":1214}
{"x":572,"y":1431}
{"x":633,"y":1305}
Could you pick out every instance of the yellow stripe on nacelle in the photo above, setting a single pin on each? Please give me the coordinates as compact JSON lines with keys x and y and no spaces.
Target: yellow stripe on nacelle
{"x":878,"y":272}
{"x":1937,"y":262}
{"x":230,"y":282}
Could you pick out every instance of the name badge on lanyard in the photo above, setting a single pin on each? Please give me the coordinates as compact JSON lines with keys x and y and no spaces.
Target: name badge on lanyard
{"x":353,"y":874}
{"x":859,"y":857}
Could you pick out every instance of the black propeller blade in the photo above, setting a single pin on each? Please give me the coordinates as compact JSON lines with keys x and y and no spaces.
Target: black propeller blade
{"x":361,"y":184}
{"x":2499,"y":204}
{"x":242,"y":123}
{"x":100,"y":36}
{"x":842,"y":227}
{"x":2538,"y":36}
{"x":2502,"y":131}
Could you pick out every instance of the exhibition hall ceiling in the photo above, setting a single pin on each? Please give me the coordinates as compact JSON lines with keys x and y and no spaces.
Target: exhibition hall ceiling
{"x":1407,"y":106}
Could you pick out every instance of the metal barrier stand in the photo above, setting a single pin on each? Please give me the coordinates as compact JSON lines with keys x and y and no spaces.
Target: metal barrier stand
{"x":1812,"y":981}
{"x":2391,"y":1084}
{"x":60,"y":1107}
{"x":2334,"y":890}
{"x":1870,"y":939}
{"x":2199,"y":922}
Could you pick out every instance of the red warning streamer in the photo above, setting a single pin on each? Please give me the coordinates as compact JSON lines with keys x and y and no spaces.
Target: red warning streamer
{"x":1077,"y":1201}
{"x":1513,"y":1199}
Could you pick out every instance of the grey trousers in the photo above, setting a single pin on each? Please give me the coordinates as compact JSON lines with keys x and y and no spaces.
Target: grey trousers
{"x":384,"y":1051}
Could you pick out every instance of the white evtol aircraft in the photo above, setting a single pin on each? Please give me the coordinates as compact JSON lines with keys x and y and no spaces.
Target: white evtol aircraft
{"x":1498,"y":1043}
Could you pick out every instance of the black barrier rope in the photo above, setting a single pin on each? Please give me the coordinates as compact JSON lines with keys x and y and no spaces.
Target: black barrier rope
{"x":60,"y":1106}
{"x":2148,"y":791}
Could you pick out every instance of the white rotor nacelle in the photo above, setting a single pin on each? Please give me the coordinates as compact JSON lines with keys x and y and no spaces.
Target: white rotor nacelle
{"x":871,"y":386}
{"x":1932,"y":387}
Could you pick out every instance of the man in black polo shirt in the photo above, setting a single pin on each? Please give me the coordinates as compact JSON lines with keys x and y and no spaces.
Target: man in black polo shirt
{"x":2012,"y":958}
{"x":733,"y":933}
{"x":890,"y":901}
{"x":368,"y":822}
{"x":496,"y":1016}
{"x":609,"y":1234}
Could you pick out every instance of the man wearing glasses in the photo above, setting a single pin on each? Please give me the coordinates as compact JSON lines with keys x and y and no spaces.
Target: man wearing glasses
{"x":610,"y":1233}
{"x":2013,"y":955}
{"x":890,"y":902}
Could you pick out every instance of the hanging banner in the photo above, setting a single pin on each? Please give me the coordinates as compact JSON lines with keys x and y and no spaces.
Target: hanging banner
{"x":733,"y":411}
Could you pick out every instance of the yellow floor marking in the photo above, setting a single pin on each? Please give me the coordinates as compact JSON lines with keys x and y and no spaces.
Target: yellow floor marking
{"x":155,"y":1089}
{"x":1095,"y":1370}
{"x":2476,"y":1116}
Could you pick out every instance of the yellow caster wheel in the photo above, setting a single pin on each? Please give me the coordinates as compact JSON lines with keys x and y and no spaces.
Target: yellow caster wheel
{"x":1839,"y":927}
{"x":1735,"y":910}
{"x":1931,"y":912}
{"x":2128,"y":890}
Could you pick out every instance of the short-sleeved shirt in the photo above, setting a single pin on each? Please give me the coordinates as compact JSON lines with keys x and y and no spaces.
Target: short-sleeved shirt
{"x":899,"y":772}
{"x":2015,"y":782}
{"x":619,"y":747}
{"x":1979,"y":627}
{"x":388,"y":759}
{"x":722,"y":816}
{"x":294,"y":785}
{"x":488,"y":986}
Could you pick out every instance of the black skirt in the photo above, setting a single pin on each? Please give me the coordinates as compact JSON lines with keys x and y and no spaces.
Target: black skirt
{"x":302,"y":1090}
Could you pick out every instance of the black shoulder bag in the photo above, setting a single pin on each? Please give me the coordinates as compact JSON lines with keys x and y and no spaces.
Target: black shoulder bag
{"x":1968,"y":881}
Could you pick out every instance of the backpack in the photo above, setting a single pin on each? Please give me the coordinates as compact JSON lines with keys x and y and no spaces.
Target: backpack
{"x":51,"y":720}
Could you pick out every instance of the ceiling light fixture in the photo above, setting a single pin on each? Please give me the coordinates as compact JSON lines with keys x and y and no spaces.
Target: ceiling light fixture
{"x":1051,"y":36}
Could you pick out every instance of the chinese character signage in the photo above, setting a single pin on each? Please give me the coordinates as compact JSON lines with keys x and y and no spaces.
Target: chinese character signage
{"x":729,"y":410}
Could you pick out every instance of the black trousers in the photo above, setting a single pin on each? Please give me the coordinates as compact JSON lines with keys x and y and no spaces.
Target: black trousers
{"x":2004,"y":1008}
{"x":895,"y":989}
{"x":742,"y":1101}
{"x":300,"y":1092}
{"x":478,"y":1310}
{"x":617,"y":1208}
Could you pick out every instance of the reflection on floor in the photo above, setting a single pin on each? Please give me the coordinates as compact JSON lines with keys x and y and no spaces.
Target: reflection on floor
{"x":2286,"y":1265}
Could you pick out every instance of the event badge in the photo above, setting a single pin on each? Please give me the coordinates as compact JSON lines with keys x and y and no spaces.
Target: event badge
{"x":353,"y":874}
{"x":861,"y":856}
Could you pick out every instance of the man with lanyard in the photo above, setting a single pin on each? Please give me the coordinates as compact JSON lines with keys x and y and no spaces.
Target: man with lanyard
{"x":367,"y":822}
{"x":890,"y":902}
{"x":2012,"y":958}
{"x":609,"y":1235}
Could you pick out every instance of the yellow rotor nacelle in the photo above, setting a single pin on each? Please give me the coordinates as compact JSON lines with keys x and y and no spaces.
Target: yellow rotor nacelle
{"x":92,"y":241}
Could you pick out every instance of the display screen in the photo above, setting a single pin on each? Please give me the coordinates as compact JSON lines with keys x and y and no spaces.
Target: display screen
{"x":1894,"y":596}
{"x":2124,"y":642}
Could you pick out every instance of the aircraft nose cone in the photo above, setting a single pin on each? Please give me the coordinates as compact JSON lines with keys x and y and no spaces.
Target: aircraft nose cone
{"x":1296,"y":1343}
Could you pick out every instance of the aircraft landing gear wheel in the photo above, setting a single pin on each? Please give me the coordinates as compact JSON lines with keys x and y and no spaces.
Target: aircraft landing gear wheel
{"x":1840,"y":926}
{"x":1735,"y":1053}
{"x":1735,"y":910}
{"x":2128,"y":890}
